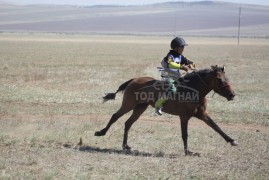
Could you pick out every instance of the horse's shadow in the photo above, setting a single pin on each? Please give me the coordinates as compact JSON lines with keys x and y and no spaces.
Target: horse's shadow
{"x":91,"y":149}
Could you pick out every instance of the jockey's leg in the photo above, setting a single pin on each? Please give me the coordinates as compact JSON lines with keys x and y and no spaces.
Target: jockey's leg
{"x":159,"y":105}
{"x":160,"y":102}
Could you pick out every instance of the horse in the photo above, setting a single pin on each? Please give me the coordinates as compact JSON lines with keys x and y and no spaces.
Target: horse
{"x":188,"y":101}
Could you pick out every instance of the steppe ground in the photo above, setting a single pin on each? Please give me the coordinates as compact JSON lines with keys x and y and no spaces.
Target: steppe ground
{"x":51,"y":96}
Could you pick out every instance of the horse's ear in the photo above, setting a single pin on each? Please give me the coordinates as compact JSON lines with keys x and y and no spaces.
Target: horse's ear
{"x":215,"y":68}
{"x":222,"y":69}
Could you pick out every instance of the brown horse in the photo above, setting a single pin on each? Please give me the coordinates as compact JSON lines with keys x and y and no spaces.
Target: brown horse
{"x":189,"y":101}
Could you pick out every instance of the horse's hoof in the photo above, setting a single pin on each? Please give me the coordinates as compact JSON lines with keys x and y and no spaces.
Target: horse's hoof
{"x":189,"y":153}
{"x":234,"y":143}
{"x":99,"y":133}
{"x":126,"y":147}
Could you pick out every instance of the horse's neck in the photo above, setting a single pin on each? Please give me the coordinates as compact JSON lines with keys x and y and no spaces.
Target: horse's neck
{"x":202,"y":85}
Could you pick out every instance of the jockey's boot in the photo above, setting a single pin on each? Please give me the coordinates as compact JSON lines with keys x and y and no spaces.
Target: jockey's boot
{"x":159,"y":111}
{"x":159,"y":105}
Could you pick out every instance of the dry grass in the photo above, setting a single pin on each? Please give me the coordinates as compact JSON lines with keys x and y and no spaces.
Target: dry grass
{"x":50,"y":97}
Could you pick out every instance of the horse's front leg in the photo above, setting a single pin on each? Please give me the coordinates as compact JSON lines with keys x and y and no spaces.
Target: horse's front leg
{"x":184,"y":130}
{"x":207,"y":119}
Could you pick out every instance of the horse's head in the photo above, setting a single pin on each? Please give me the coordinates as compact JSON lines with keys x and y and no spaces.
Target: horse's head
{"x":221,"y":84}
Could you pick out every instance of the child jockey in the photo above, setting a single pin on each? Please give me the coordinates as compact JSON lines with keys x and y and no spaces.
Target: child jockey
{"x":172,"y":63}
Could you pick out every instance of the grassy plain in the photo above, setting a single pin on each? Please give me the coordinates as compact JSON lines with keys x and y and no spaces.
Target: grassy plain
{"x":50,"y":97}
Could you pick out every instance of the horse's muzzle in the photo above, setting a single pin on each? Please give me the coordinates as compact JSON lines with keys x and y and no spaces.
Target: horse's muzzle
{"x":230,"y":96}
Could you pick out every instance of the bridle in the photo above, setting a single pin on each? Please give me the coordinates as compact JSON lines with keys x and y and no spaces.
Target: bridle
{"x":226,"y":85}
{"x":207,"y":86}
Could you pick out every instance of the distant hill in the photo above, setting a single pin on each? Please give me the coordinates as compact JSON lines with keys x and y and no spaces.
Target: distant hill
{"x":205,"y":18}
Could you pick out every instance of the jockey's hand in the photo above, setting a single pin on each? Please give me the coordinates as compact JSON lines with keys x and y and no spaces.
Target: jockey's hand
{"x":192,"y":66}
{"x":185,"y":68}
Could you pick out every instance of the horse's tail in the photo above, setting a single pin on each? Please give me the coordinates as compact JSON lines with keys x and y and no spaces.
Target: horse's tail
{"x":110,"y":96}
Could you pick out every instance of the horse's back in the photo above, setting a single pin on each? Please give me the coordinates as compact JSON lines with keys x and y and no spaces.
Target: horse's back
{"x":143,"y":80}
{"x":139,"y":87}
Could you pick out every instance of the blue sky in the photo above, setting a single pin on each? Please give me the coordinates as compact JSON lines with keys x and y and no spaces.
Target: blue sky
{"x":121,"y":2}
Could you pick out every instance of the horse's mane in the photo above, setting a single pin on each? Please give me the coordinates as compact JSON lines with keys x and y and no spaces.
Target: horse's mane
{"x":201,"y":73}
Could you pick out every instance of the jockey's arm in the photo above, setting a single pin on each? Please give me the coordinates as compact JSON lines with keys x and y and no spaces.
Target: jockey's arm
{"x":174,"y":65}
{"x":188,"y":63}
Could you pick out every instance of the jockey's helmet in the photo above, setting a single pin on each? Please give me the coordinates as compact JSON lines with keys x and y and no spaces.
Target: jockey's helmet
{"x":177,"y":42}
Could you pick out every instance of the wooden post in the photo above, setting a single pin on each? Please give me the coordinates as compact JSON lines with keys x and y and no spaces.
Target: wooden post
{"x":239,"y":26}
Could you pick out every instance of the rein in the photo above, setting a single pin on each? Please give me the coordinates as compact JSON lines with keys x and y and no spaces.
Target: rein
{"x":227,"y":85}
{"x":202,"y":80}
{"x":205,"y":84}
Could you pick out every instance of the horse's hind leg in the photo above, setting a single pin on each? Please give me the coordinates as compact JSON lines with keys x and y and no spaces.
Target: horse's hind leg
{"x":123,"y":110}
{"x":184,"y":130}
{"x":138,"y":110}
